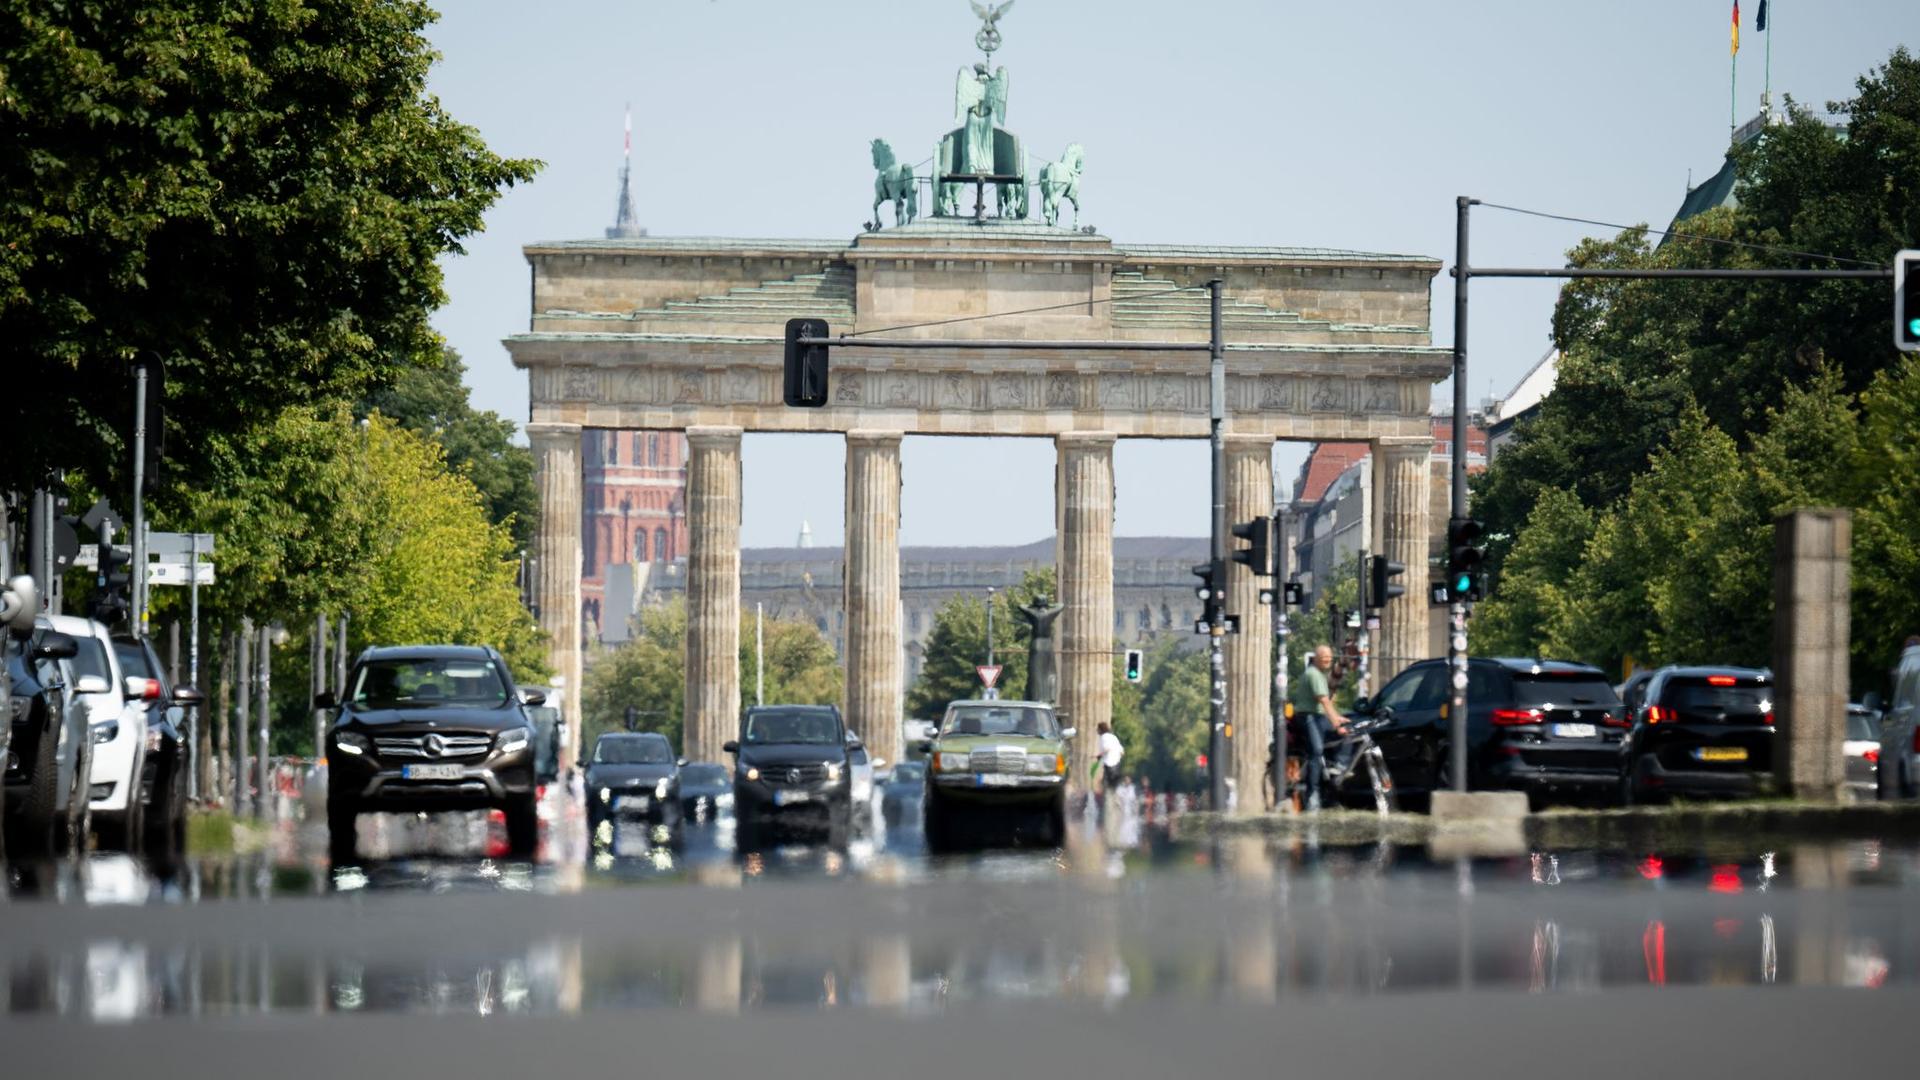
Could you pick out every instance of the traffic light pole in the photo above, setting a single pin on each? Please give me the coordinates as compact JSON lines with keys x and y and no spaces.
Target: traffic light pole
{"x":1217,"y":615}
{"x":1283,"y":631}
{"x":1463,"y":273}
{"x":139,"y":567}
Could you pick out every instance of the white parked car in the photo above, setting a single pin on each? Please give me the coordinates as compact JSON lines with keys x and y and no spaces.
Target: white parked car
{"x":119,"y":733}
{"x":1900,"y":735}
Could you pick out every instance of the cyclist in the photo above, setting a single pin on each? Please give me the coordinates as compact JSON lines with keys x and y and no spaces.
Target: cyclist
{"x":1313,"y":707}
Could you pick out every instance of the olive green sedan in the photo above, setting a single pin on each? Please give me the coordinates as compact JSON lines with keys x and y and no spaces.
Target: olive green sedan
{"x":997,"y":759}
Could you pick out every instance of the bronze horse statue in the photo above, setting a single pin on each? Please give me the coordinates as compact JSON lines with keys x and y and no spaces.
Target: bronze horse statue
{"x":894,"y":183}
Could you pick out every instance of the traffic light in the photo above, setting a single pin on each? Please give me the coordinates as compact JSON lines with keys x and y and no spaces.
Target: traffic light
{"x":1209,"y":593}
{"x":1380,"y":584}
{"x":805,"y":386}
{"x":113,"y":585}
{"x":1463,"y":558}
{"x":1134,"y":658}
{"x":1257,"y":556}
{"x":1906,"y":301}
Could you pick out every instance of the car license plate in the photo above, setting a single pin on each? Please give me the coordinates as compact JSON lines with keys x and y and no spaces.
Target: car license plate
{"x":1574,"y":731}
{"x":431,"y":772}
{"x":637,"y":803}
{"x":987,"y":779}
{"x":1721,"y":753}
{"x":788,"y":798}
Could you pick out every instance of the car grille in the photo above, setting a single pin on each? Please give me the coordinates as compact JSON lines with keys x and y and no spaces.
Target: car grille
{"x":433,"y":746}
{"x":998,"y":760}
{"x":794,"y":774}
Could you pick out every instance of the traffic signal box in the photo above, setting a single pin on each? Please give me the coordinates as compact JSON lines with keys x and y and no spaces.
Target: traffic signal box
{"x":805,"y":384}
{"x":1463,"y":559}
{"x":1257,"y":556}
{"x":1906,"y":301}
{"x":1380,"y":584}
{"x":1134,"y":664}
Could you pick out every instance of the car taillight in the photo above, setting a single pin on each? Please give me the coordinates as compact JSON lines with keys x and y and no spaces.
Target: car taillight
{"x":144,"y":689}
{"x":1513,"y":717}
{"x":1658,"y":715}
{"x":1872,"y":756}
{"x":1720,"y":680}
{"x":1916,"y":739}
{"x":1610,"y":720}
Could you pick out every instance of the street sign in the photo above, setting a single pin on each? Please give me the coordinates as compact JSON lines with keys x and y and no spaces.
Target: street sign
{"x":100,"y":512}
{"x":989,"y":674}
{"x":175,"y":573}
{"x":181,"y":544}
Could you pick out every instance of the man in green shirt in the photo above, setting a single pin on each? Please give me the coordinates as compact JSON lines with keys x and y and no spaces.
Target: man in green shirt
{"x":1318,"y":717}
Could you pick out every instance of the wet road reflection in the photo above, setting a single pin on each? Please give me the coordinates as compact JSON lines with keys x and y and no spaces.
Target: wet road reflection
{"x":429,"y":923}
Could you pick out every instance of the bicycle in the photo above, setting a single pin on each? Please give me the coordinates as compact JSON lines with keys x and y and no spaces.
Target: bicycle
{"x":1362,"y":753}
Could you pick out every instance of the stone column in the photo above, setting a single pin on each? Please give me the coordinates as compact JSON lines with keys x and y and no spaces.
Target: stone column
{"x":1812,"y":634}
{"x":713,"y":592}
{"x":557,"y":553}
{"x":1084,"y":564}
{"x":875,"y":660}
{"x":1250,"y":652}
{"x":1402,"y":492}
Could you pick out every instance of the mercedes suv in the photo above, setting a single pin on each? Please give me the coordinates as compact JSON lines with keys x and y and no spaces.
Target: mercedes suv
{"x":791,"y":768}
{"x":427,"y":728}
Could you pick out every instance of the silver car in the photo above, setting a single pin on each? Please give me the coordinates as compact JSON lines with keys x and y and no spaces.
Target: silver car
{"x":1899,"y":775}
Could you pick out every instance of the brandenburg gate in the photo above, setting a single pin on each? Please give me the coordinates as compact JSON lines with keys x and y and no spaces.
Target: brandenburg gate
{"x":685,"y":334}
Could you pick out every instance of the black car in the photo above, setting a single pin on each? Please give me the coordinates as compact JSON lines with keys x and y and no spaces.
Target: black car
{"x":1700,"y":731}
{"x":1540,"y":726}
{"x":633,"y":775}
{"x":791,"y":768}
{"x":706,"y":789}
{"x":163,"y":779}
{"x":50,"y":746}
{"x":431,"y":727}
{"x":902,"y":793}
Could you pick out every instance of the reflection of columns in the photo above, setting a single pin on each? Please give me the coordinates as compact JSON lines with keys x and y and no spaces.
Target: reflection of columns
{"x":716,"y":967}
{"x":886,"y":969}
{"x":874,"y":656}
{"x":1402,"y":488}
{"x":1250,"y":652}
{"x":713,"y":591}
{"x":1084,"y":498}
{"x":556,"y":460}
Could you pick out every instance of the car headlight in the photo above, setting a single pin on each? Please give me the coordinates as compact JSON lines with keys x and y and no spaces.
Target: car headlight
{"x":509,"y":741}
{"x":606,"y":794}
{"x":660,"y":789}
{"x":349,"y":743}
{"x":1042,"y":764}
{"x":833,"y":772}
{"x":153,"y":740}
{"x":752,"y":773}
{"x":106,"y":733}
{"x":947,"y":762}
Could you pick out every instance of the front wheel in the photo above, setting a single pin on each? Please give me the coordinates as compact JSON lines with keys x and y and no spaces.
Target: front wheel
{"x":341,"y":818}
{"x":1384,"y":799}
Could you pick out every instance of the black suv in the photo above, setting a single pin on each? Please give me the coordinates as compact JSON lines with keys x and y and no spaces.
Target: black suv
{"x":792,"y":766}
{"x":431,"y":727}
{"x":633,"y":775}
{"x":1541,"y":726}
{"x":1700,"y":731}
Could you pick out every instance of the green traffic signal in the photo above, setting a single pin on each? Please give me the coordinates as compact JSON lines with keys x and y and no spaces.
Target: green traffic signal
{"x":1462,"y":584}
{"x":1913,"y":327}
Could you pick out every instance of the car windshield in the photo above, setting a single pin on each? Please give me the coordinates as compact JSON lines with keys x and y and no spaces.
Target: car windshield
{"x":909,"y":772}
{"x":632,"y":752}
{"x":1699,"y":695}
{"x":704,"y":774}
{"x":1861,"y":725}
{"x":793,"y":727}
{"x":426,"y":682}
{"x":990,"y":719}
{"x":91,"y":659}
{"x":1563,"y":692}
{"x":133,"y":660}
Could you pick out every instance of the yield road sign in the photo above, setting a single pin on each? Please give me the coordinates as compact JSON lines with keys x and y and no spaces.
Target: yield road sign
{"x":989,"y":674}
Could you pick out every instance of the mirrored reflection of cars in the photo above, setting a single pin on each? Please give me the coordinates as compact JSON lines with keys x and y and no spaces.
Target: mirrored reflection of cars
{"x":163,"y":781}
{"x":1700,"y":731}
{"x":792,"y":771}
{"x":997,"y":758}
{"x":705,"y":790}
{"x":51,"y":751}
{"x":431,"y":728}
{"x":900,"y":795}
{"x":634,"y":776}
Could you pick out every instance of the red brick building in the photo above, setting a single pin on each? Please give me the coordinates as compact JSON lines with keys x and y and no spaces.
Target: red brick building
{"x":633,"y":506}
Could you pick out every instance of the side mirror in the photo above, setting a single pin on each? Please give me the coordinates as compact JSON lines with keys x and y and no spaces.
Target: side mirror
{"x":730,"y":747}
{"x":1362,"y":705}
{"x":1068,"y":732}
{"x":322,"y":700}
{"x":188,"y":695}
{"x":680,"y":764}
{"x":533,"y":697}
{"x":1872,"y":700}
{"x":925,"y":746}
{"x":56,"y":646}
{"x":855,"y":744}
{"x":91,"y":684}
{"x":879,"y":763}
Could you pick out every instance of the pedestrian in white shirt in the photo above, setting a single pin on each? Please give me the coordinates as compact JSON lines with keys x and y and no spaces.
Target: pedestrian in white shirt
{"x":1110,"y":754}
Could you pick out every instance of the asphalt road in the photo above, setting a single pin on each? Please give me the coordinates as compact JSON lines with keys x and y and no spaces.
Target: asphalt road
{"x":1125,"y":954}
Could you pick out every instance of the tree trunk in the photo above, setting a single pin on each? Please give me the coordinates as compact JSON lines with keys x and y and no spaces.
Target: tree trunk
{"x":242,"y":683}
{"x":216,"y":725}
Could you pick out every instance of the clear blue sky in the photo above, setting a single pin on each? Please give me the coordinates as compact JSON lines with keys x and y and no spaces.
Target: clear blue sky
{"x":1347,"y":125}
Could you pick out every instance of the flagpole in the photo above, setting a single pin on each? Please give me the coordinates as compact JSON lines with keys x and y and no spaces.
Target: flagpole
{"x":1766,"y":94}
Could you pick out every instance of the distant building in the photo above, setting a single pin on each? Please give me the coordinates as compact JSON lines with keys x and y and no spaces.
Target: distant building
{"x":633,"y":512}
{"x":1521,"y":402}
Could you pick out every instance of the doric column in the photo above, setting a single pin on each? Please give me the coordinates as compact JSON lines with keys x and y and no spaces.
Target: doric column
{"x":875,"y":659}
{"x":1250,"y":652}
{"x":1084,"y":565}
{"x":713,"y":591}
{"x":557,"y":553}
{"x":1402,"y":489}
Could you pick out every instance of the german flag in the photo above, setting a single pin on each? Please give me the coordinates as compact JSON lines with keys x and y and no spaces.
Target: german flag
{"x":1736,"y":29}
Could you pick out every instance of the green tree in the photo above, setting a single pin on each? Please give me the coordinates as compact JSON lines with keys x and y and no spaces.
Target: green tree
{"x":257,"y":191}
{"x":433,"y":401}
{"x":1886,"y":554}
{"x":648,"y":671}
{"x":1174,"y":714}
{"x":958,"y":644}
